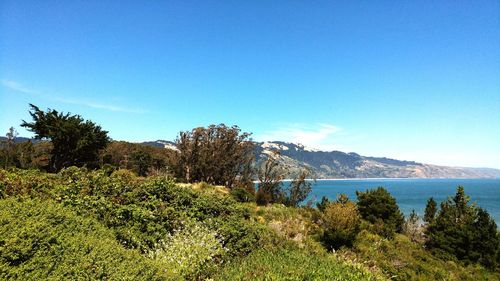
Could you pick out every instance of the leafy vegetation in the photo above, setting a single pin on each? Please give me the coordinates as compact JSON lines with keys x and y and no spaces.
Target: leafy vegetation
{"x":465,"y":231}
{"x":132,"y":219}
{"x":75,"y":142}
{"x":341,"y":223}
{"x":292,"y":263}
{"x":217,"y":155}
{"x":379,"y":207}
{"x":400,"y":258}
{"x":40,"y":240}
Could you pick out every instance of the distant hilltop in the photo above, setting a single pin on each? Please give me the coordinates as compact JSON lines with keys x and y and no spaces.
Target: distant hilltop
{"x":338,"y":164}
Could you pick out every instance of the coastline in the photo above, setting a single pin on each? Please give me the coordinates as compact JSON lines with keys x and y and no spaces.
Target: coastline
{"x":388,"y":179}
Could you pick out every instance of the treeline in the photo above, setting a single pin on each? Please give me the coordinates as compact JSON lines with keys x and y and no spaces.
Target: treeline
{"x":217,"y":154}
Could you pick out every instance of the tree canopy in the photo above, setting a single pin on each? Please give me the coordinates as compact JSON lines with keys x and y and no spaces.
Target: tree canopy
{"x":76,"y":142}
{"x":465,"y":231}
{"x":379,"y":207}
{"x":217,"y":154}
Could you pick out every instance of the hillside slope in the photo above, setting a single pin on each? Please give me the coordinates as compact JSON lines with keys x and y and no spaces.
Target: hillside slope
{"x":337,"y":164}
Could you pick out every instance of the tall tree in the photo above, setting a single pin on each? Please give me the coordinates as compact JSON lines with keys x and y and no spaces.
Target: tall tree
{"x":464,"y":231}
{"x":76,"y":142}
{"x":430,"y":210}
{"x":299,"y":189}
{"x":270,"y":174}
{"x":9,"y":148}
{"x":217,"y":154}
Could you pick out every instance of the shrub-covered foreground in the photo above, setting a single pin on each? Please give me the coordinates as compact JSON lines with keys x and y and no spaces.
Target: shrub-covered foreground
{"x":292,"y":263}
{"x":42,"y":240}
{"x":80,"y":224}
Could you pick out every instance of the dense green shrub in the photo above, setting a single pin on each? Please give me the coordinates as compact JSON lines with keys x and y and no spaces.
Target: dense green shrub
{"x":151,"y":215}
{"x":379,"y":208}
{"x":242,"y":195}
{"x":42,"y":240}
{"x":401,"y":259}
{"x":341,"y":223}
{"x":140,"y":211}
{"x":291,"y":263}
{"x":430,"y":210}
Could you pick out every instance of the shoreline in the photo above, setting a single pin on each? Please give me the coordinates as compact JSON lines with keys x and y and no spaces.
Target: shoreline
{"x":368,"y":179}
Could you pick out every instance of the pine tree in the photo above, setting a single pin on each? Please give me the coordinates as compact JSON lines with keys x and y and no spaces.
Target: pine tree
{"x":464,"y":231}
{"x":379,"y":207}
{"x":430,"y":210}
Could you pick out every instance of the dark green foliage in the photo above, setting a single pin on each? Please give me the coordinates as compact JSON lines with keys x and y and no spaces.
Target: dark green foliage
{"x":401,"y":259}
{"x":379,"y":207}
{"x":242,"y":195}
{"x":323,"y":203}
{"x":464,"y":231}
{"x":142,"y":162}
{"x":218,"y":155}
{"x":430,"y":210}
{"x":42,"y":240}
{"x":75,"y":142}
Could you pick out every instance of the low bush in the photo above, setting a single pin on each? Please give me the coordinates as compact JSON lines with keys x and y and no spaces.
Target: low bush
{"x":191,"y":251}
{"x":242,"y":195}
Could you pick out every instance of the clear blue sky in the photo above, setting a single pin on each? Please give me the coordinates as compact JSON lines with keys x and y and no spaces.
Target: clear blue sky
{"x":415,"y":80}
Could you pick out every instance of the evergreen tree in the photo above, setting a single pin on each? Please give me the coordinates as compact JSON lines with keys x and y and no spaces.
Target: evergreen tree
{"x":430,"y":210}
{"x":76,"y":142}
{"x":379,"y":207}
{"x":141,"y":162}
{"x":464,"y":231}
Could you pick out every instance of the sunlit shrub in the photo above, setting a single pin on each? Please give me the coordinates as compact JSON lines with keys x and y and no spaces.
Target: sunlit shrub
{"x":341,"y":223}
{"x":188,"y":250}
{"x":42,"y":240}
{"x":291,"y":263}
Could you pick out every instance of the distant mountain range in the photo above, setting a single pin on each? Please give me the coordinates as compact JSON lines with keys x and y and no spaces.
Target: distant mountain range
{"x":337,"y":164}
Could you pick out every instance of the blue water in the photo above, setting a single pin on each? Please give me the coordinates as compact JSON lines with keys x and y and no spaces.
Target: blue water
{"x":413,"y":193}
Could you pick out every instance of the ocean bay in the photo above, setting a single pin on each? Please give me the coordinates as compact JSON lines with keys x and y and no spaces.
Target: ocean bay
{"x":412,"y":194}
